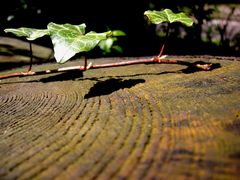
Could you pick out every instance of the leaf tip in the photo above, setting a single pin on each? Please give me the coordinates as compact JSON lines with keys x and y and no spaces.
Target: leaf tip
{"x":7,"y":30}
{"x":146,"y":12}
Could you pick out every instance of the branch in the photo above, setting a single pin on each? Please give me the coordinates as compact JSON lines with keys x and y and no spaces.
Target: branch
{"x":154,"y":60}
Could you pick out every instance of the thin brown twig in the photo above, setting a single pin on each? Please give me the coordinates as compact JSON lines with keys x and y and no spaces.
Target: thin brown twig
{"x":157,"y":60}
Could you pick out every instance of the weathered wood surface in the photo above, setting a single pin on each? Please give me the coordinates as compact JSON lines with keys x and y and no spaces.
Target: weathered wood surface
{"x":15,"y":52}
{"x":133,"y":122}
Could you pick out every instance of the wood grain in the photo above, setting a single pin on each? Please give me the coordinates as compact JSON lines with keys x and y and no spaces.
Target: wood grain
{"x":133,"y":122}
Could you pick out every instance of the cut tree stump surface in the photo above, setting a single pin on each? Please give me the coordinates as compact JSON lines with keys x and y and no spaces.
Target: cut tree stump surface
{"x":152,"y":121}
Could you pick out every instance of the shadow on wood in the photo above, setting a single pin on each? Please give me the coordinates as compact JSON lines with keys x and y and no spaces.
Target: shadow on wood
{"x":111,"y":85}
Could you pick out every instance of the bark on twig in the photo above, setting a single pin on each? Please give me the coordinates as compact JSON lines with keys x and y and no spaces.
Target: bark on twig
{"x":154,"y":60}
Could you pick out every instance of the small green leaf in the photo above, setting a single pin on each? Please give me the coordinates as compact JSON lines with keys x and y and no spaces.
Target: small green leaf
{"x":167,"y":15}
{"x":70,"y":39}
{"x":118,"y":48}
{"x":30,"y":33}
{"x":106,"y":45}
{"x":118,"y":33}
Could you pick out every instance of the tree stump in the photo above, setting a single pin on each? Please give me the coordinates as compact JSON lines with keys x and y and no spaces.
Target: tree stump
{"x":133,"y":122}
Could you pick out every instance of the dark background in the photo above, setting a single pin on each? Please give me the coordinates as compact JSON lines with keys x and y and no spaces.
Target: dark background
{"x":142,"y":38}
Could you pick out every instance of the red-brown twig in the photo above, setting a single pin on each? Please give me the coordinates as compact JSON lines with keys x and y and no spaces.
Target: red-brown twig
{"x":157,"y":60}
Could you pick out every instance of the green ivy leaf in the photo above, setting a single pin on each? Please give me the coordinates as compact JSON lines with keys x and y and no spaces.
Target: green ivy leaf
{"x":167,"y":15}
{"x":118,"y":33}
{"x":117,"y":48}
{"x":108,"y":44}
{"x":30,"y":33}
{"x":70,"y":39}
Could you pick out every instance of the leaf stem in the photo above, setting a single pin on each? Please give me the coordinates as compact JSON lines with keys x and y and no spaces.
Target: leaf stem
{"x":31,"y":57}
{"x":85,"y":63}
{"x":165,"y":40}
{"x":161,"y":51}
{"x":154,"y":60}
